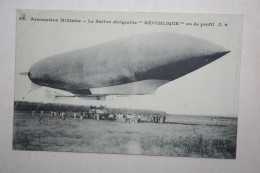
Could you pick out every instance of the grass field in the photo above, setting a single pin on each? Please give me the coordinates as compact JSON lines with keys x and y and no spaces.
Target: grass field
{"x":184,"y":136}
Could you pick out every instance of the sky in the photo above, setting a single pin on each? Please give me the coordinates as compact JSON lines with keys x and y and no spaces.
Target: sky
{"x":210,"y":90}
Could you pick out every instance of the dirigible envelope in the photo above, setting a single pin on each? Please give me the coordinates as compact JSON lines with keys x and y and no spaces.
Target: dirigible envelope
{"x":137,"y":64}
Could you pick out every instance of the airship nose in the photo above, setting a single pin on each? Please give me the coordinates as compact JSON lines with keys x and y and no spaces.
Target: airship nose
{"x":204,"y":52}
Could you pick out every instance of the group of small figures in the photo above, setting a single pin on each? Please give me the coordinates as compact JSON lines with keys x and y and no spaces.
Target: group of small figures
{"x":156,"y":118}
{"x":123,"y":118}
{"x":128,"y":118}
{"x":75,"y":115}
{"x":59,"y":115}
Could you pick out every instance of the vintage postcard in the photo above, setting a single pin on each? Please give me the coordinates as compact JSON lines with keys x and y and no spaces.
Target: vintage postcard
{"x":160,"y":84}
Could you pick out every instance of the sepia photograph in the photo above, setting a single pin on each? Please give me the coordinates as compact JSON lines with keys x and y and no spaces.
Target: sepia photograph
{"x":160,"y":84}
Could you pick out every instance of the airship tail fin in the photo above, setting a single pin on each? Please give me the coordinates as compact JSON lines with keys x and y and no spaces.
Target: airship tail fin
{"x":24,"y":73}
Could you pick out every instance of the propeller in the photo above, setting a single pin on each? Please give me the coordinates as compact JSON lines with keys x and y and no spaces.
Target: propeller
{"x":49,"y":94}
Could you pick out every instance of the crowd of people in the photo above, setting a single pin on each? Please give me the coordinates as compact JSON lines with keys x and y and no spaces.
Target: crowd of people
{"x":102,"y":115}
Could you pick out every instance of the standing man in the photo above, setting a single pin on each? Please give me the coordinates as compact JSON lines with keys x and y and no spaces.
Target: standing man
{"x":215,"y":121}
{"x":164,"y":118}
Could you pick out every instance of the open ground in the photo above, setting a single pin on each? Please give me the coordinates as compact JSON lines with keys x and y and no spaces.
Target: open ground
{"x":185,"y":136}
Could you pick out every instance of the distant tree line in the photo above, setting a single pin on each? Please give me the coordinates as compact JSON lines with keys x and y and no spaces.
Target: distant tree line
{"x":36,"y":106}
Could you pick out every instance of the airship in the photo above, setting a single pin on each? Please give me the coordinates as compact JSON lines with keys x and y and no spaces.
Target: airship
{"x":133,"y":65}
